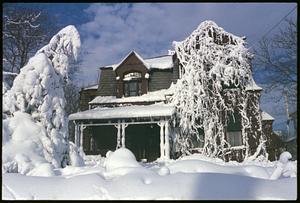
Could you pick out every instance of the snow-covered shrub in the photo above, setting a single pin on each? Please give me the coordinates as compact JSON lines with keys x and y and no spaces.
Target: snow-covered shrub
{"x":44,"y":169}
{"x":163,"y":171}
{"x":27,"y":147}
{"x":76,"y":155}
{"x":38,"y":91}
{"x":119,"y":159}
{"x":215,"y":70}
{"x":284,"y":167}
{"x":285,"y":157}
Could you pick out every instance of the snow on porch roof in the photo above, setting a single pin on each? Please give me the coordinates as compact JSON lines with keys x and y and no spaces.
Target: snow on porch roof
{"x":134,"y":111}
{"x":149,"y":97}
{"x":159,"y":62}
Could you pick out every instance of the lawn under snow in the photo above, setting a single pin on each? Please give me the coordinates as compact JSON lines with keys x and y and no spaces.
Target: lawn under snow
{"x":119,"y":176}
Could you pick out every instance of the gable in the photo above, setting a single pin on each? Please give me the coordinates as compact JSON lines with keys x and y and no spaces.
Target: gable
{"x":132,"y":63}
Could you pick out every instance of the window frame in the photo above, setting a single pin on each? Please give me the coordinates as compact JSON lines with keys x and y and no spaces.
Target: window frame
{"x":128,"y":90}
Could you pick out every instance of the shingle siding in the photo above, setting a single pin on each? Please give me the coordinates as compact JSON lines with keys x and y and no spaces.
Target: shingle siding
{"x":107,"y":83}
{"x":85,"y":97}
{"x":159,"y":79}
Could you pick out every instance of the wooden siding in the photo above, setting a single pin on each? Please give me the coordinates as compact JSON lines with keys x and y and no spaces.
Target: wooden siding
{"x":85,"y":97}
{"x":160,"y":79}
{"x":107,"y":83}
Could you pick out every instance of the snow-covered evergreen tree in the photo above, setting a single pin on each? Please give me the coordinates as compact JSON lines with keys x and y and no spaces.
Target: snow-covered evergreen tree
{"x":215,"y":69}
{"x":38,"y":91}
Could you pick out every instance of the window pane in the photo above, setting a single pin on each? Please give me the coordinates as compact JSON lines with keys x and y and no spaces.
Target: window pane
{"x":234,"y":123}
{"x":234,"y":138}
{"x":132,"y":88}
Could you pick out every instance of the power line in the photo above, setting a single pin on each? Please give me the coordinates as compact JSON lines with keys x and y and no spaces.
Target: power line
{"x":274,"y":26}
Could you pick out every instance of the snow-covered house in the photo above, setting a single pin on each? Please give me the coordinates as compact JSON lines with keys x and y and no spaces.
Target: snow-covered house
{"x":131,"y":108}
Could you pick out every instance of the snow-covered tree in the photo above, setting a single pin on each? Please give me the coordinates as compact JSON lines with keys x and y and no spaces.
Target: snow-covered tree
{"x":215,"y":69}
{"x":38,"y":91}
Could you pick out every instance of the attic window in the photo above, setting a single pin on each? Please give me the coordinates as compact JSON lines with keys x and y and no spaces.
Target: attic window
{"x":132,"y":84}
{"x":132,"y":75}
{"x":132,"y":88}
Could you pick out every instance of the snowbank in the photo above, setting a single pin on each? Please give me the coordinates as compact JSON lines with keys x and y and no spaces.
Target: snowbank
{"x":120,"y":158}
{"x":119,"y":163}
{"x":25,"y":144}
{"x":121,"y":177}
{"x":142,"y":186}
{"x":76,"y":155}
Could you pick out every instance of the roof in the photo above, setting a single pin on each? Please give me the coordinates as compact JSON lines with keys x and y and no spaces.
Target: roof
{"x":149,"y":97}
{"x":266,"y":117}
{"x":253,"y":86}
{"x":158,"y":62}
{"x":134,"y":111}
{"x":91,"y":87}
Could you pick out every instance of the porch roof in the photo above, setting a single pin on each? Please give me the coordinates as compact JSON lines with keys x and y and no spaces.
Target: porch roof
{"x":134,"y":111}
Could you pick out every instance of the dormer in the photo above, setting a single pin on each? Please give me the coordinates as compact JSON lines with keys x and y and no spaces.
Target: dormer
{"x":132,"y":75}
{"x":135,"y":76}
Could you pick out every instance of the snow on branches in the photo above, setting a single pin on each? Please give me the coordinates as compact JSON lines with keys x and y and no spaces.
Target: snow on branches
{"x":215,"y":69}
{"x":38,"y":90}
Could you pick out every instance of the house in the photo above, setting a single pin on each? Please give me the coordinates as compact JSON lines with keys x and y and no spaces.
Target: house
{"x":129,"y":108}
{"x":274,"y":144}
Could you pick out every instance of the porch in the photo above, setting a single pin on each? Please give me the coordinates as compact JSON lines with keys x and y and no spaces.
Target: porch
{"x":125,"y":120}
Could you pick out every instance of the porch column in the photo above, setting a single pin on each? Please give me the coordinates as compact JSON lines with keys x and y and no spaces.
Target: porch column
{"x":77,"y":135}
{"x":92,"y":143}
{"x":167,"y":144}
{"x":161,"y":125}
{"x":118,"y":126}
{"x":82,"y":127}
{"x":124,"y":125}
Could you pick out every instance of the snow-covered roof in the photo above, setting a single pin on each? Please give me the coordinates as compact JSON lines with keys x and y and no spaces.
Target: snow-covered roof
{"x":266,"y":117}
{"x":159,"y":62}
{"x":253,"y":86}
{"x":149,"y":97}
{"x":92,"y":87}
{"x":134,"y":111}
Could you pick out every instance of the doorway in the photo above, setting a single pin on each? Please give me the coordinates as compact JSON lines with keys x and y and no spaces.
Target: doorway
{"x":144,"y":141}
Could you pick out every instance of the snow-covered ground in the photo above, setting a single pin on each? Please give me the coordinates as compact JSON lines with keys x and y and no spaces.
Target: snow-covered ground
{"x":119,"y":176}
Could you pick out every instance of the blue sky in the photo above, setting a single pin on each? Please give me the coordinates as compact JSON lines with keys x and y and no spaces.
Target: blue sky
{"x":109,"y":31}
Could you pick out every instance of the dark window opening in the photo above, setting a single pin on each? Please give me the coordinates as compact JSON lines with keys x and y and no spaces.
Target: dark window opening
{"x":132,"y":88}
{"x":234,"y":133}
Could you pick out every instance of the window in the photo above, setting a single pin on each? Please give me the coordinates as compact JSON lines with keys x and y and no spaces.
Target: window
{"x":234,"y":133}
{"x":132,"y":88}
{"x":234,"y":138}
{"x":132,"y":84}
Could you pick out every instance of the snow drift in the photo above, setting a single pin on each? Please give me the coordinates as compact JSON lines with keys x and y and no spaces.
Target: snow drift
{"x":190,"y":178}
